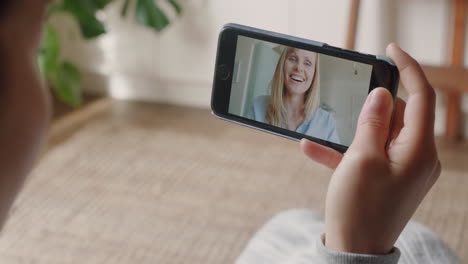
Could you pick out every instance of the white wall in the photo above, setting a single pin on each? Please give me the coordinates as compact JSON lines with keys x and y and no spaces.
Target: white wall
{"x":177,"y":65}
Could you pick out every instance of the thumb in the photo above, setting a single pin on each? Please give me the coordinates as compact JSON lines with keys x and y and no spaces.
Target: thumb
{"x":374,"y":122}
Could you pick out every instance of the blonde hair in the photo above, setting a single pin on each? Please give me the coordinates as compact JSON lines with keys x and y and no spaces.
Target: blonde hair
{"x":276,"y":109}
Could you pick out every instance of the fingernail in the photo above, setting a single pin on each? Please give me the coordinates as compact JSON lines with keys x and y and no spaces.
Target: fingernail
{"x":394,"y":45}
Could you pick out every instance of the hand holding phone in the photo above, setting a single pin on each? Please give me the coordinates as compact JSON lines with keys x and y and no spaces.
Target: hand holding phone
{"x":293,"y":87}
{"x":375,"y":189}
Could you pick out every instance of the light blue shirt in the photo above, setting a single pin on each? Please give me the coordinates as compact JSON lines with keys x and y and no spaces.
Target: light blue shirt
{"x":321,"y":125}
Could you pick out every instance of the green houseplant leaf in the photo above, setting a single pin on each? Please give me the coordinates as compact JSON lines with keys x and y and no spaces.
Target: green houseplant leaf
{"x":149,"y":14}
{"x":66,"y":84}
{"x":49,"y":53}
{"x":126,"y":6}
{"x":176,"y":6}
{"x":101,"y":4}
{"x":84,"y":11}
{"x":64,"y":77}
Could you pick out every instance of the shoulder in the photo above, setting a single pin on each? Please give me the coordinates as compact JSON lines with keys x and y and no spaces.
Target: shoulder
{"x":324,"y":119}
{"x":258,"y":108}
{"x":322,"y":125}
{"x":323,"y":115}
{"x":261,"y":100}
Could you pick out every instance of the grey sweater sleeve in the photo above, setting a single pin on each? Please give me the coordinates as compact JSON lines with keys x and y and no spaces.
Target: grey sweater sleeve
{"x":328,"y":256}
{"x":294,"y":237}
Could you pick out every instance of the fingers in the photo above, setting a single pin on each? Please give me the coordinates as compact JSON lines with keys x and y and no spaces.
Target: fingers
{"x":420,"y":110}
{"x":374,"y":123}
{"x":321,"y":154}
{"x":398,"y":118}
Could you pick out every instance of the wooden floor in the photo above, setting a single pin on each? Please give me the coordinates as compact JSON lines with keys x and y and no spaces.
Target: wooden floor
{"x":143,"y":183}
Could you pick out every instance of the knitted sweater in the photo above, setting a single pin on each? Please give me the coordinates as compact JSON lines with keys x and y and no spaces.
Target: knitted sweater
{"x":294,"y":237}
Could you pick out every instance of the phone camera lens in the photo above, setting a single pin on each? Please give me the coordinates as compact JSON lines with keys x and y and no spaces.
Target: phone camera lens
{"x":223,"y":72}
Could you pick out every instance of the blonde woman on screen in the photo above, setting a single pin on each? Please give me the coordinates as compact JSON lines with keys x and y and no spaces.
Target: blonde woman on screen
{"x":295,"y":97}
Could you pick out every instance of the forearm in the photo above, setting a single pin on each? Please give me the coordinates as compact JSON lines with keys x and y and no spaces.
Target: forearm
{"x":24,"y":103}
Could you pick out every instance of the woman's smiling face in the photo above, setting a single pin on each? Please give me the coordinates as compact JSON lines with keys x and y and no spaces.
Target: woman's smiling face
{"x":299,"y":70}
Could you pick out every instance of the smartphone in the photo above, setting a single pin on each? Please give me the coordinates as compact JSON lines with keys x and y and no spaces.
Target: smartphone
{"x":293,"y":87}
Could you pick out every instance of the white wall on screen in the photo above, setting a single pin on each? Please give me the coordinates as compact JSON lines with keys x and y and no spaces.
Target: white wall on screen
{"x":244,"y":53}
{"x":343,"y":87}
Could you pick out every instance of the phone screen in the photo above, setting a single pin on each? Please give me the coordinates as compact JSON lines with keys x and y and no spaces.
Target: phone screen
{"x":299,"y":90}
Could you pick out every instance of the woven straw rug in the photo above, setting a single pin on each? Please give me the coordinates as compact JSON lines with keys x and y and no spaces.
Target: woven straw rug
{"x":144,"y":183}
